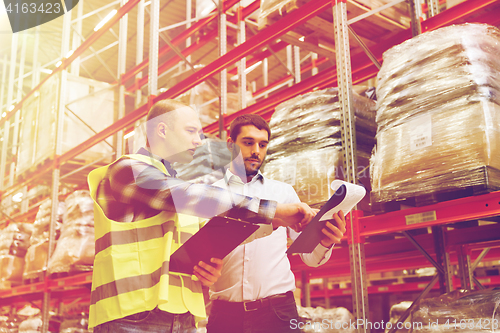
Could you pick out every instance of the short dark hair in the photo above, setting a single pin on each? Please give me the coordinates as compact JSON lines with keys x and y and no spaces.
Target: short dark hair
{"x":162,"y":108}
{"x":248,"y":119}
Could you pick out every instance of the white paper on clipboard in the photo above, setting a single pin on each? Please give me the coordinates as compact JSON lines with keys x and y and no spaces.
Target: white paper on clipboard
{"x":354,"y":194}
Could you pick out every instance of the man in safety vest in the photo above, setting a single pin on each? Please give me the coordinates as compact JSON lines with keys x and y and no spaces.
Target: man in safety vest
{"x":143,"y":213}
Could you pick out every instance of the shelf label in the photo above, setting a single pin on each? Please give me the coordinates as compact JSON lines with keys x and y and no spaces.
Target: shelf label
{"x":422,"y":285}
{"x":88,"y":277}
{"x":420,"y":217}
{"x":420,"y":132}
{"x":383,"y":288}
{"x":484,"y":280}
{"x":61,"y":283}
{"x":346,"y":292}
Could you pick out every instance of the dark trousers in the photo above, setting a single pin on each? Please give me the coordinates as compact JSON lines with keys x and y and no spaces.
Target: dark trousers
{"x":155,"y":321}
{"x":269,"y":315}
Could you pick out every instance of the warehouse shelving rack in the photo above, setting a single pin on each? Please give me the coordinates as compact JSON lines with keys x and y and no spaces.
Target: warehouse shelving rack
{"x":343,"y":75}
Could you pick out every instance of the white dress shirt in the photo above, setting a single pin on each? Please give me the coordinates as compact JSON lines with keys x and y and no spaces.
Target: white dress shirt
{"x":261,"y":267}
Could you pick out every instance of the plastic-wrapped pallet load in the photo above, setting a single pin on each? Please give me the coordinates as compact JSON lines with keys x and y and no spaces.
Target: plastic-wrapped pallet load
{"x":438,"y":115}
{"x":36,"y":255}
{"x":305,"y":149}
{"x":395,"y":313}
{"x":75,"y":248}
{"x":14,"y":241}
{"x":321,"y":320}
{"x":458,"y":311}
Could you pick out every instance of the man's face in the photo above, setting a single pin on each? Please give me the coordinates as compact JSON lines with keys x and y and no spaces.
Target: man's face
{"x":253,"y":146}
{"x":181,"y":139}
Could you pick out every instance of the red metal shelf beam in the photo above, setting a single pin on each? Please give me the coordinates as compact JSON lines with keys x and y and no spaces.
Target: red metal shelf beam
{"x":464,"y":209}
{"x":488,"y":281}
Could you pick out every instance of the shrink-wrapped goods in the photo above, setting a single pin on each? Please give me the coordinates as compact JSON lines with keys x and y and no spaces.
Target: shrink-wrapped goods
{"x":438,"y":114}
{"x":14,"y":241}
{"x":321,"y":320}
{"x":75,"y":248}
{"x":31,"y":325}
{"x":36,"y":256}
{"x":305,"y":149}
{"x":459,"y":311}
{"x":395,"y":313}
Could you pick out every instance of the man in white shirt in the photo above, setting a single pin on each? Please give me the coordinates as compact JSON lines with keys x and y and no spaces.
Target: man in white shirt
{"x":255,"y":290}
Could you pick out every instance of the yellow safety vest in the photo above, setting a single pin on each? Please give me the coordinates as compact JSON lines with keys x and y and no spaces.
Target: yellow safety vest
{"x":131,"y":273}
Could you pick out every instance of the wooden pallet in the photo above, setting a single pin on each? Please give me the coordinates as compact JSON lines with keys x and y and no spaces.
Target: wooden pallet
{"x":33,"y":277}
{"x":490,"y":183}
{"x":9,"y":284}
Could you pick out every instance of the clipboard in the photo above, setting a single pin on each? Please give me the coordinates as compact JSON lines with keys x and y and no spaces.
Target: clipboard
{"x":216,"y":239}
{"x":346,"y":196}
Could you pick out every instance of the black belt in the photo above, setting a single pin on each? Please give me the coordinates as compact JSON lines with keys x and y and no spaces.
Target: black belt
{"x":258,"y":304}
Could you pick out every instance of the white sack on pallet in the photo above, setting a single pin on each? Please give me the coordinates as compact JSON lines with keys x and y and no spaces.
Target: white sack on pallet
{"x":36,"y":255}
{"x":75,"y":248}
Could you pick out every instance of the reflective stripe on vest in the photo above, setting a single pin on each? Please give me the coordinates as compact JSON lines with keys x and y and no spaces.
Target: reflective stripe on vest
{"x":131,"y":272}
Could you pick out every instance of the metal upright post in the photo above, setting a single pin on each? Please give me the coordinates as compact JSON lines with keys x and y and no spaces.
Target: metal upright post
{"x":306,"y":289}
{"x":139,"y":51}
{"x":242,"y":78}
{"x":154,"y":25}
{"x":464,"y":267}
{"x":443,"y":259}
{"x":65,"y":42}
{"x":122,"y":67}
{"x":433,"y":6}
{"x":35,"y":73}
{"x":17,"y":117}
{"x":10,"y":102}
{"x":223,"y":73}
{"x":414,"y":6}
{"x":348,"y":135}
{"x":4,"y":84}
{"x":314,"y":58}
{"x":325,"y":289}
{"x":296,"y":63}
{"x":289,"y":61}
{"x":265,"y":74}
{"x":189,"y":10}
{"x":77,"y":40}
